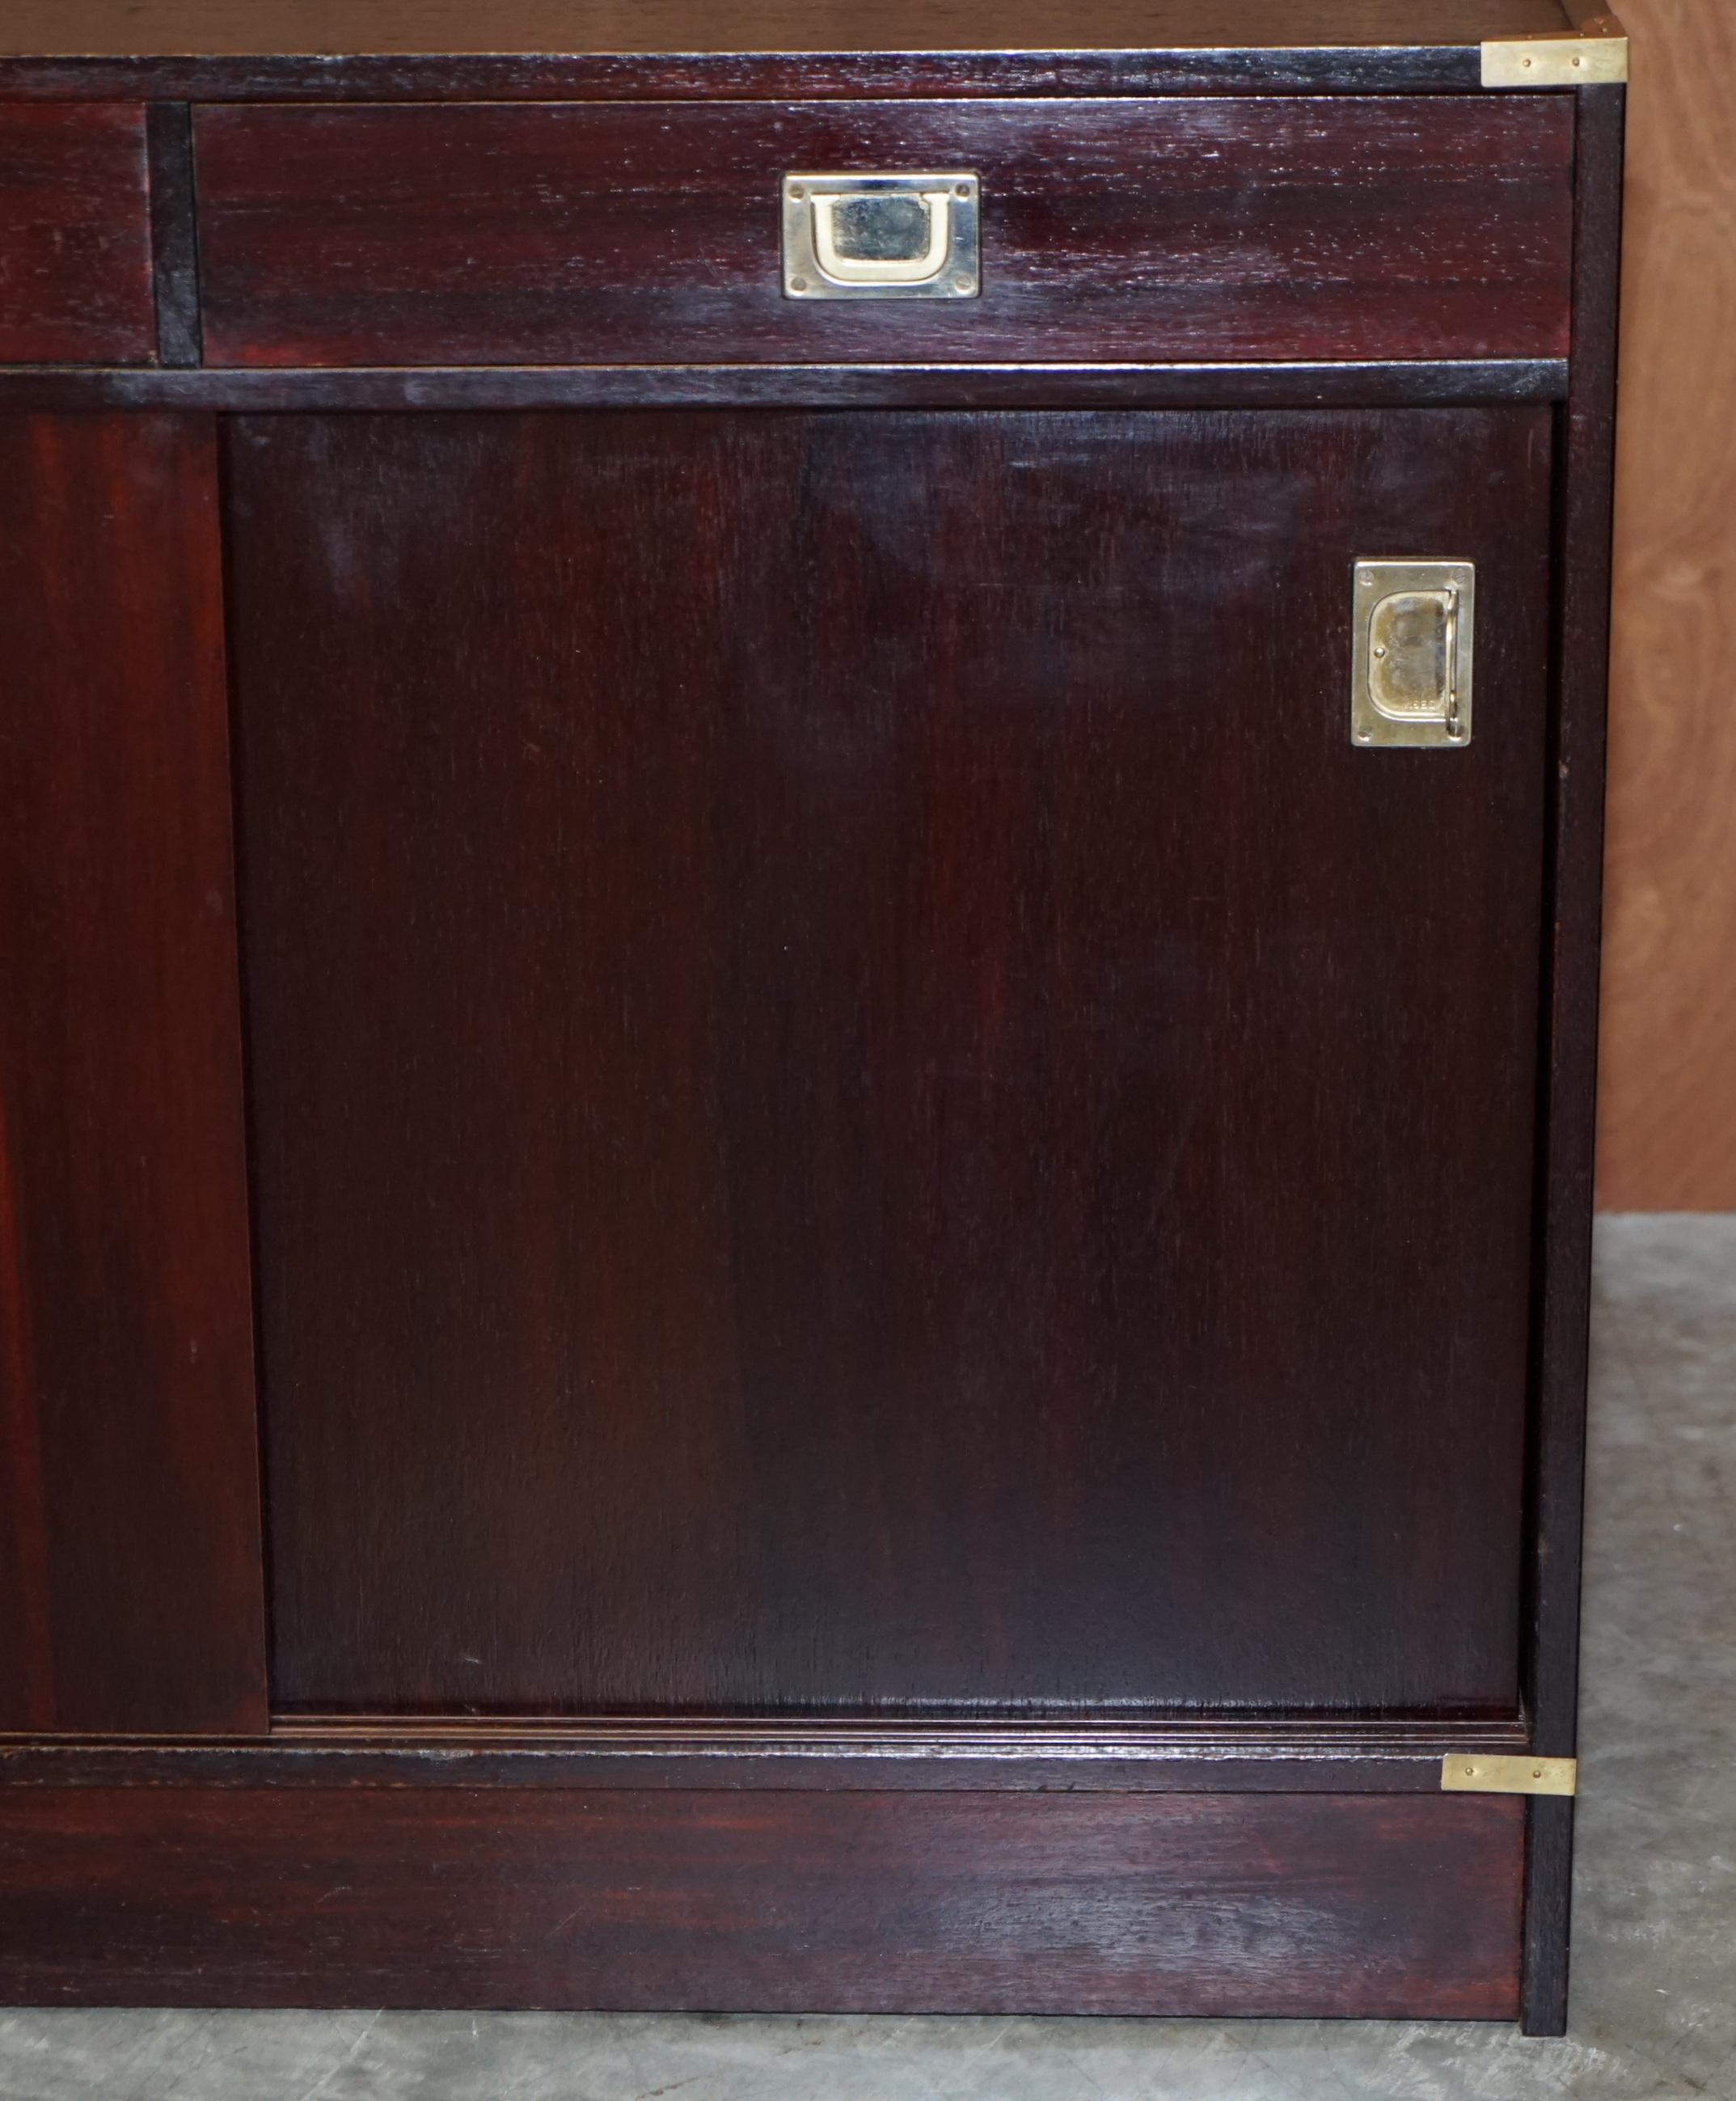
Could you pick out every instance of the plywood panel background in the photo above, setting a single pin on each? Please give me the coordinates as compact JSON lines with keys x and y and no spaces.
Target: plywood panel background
{"x":1668,"y":1105}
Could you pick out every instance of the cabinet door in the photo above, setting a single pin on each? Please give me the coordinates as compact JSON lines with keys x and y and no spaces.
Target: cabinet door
{"x":863,"y":1103}
{"x":131,"y":1588}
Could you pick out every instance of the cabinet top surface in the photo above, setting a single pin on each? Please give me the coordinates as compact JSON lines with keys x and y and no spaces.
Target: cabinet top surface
{"x":220,"y":28}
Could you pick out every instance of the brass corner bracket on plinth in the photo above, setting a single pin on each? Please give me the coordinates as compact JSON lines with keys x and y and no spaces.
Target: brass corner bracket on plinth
{"x":1474,"y":1774}
{"x":1597,"y":54}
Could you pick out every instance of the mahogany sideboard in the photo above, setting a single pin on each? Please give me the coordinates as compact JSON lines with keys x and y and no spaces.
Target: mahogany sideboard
{"x":800,"y":889}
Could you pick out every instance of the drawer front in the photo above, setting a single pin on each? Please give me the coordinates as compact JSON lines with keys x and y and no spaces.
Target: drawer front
{"x":75,"y":242}
{"x":1425,"y":227}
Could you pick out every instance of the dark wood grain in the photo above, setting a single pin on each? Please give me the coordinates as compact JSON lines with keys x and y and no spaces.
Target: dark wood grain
{"x":130,"y":1590}
{"x":75,"y":245}
{"x":1230,"y":228}
{"x":1400,"y":1906}
{"x":861,"y":1103}
{"x":1347,"y":384}
{"x":1557,"y":1464}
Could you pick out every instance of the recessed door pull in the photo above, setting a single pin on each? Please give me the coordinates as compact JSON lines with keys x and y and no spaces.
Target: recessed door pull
{"x":1413,"y":653}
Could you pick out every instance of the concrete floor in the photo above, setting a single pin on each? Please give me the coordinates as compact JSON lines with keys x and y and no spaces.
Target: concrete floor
{"x":1655,"y":1996}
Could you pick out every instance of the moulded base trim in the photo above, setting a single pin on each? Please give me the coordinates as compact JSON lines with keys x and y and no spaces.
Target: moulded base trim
{"x":1373,"y":1905}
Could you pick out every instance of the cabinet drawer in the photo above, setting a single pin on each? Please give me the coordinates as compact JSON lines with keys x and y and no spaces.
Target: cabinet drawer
{"x":1267,"y":227}
{"x":75,"y":243}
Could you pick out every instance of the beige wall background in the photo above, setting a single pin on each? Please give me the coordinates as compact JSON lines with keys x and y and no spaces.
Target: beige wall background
{"x":1668,"y":1105}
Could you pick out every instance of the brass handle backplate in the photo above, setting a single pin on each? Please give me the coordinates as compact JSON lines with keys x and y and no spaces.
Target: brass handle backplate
{"x":881,"y":235}
{"x":1413,"y":653}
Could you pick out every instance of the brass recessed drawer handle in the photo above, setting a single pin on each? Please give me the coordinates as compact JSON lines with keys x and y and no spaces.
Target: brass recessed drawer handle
{"x":1413,"y":653}
{"x":881,"y":235}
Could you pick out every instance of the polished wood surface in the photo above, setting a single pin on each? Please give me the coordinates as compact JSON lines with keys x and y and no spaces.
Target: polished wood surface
{"x":75,"y":242}
{"x":131,"y":1587}
{"x":1667,"y":1129}
{"x":786,"y":1178}
{"x":260,"y":26}
{"x":923,"y":1329}
{"x":1361,"y":1905}
{"x":1273,"y":227}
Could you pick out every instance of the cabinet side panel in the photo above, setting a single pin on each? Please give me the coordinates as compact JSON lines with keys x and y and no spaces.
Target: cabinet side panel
{"x":1570,"y":1039}
{"x":131,"y":1584}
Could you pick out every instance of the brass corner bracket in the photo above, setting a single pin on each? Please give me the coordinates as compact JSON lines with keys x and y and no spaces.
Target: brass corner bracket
{"x":1596,"y":55}
{"x":1593,"y":57}
{"x":1473,"y":1773}
{"x":1554,"y":61}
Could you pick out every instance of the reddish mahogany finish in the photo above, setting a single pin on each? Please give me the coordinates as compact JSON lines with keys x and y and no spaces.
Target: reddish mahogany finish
{"x":1206,"y":1904}
{"x":861,"y":1101}
{"x":862,"y":1109}
{"x":1273,"y":227}
{"x":130,"y":1572}
{"x":75,"y":238}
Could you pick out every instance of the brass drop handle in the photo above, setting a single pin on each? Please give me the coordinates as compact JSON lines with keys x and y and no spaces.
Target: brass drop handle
{"x":882,"y":235}
{"x":1411,"y":678}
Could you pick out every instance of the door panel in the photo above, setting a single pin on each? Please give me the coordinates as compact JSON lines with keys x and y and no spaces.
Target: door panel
{"x":131,"y":1584}
{"x":861,"y":1104}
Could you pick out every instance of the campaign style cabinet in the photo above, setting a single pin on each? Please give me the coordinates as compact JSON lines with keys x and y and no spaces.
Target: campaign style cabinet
{"x":799,"y":879}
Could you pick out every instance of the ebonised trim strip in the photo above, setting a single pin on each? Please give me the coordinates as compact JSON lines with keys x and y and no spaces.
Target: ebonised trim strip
{"x":1569,"y":1073}
{"x":174,"y":241}
{"x":1356,"y":69}
{"x":49,"y":390}
{"x":1298,"y":1758}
